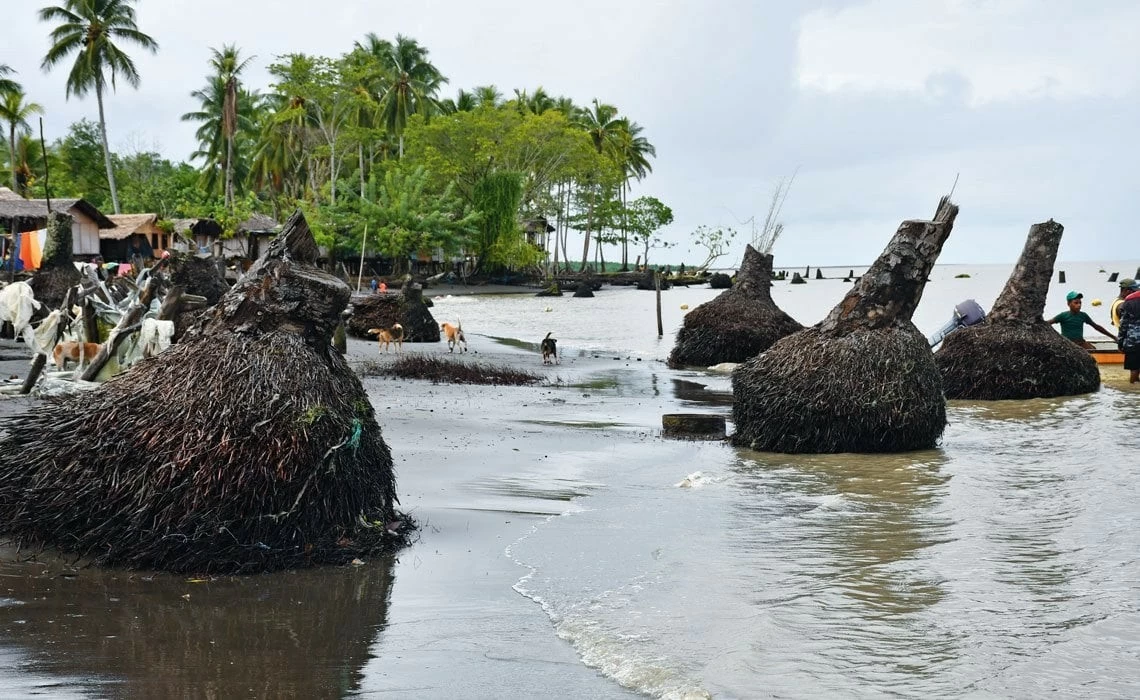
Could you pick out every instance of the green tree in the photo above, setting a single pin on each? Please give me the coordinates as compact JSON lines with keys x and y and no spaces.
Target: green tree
{"x":412,"y":87}
{"x":86,"y":28}
{"x":715,"y":241}
{"x":76,"y":163}
{"x":646,"y":216}
{"x":7,"y":84}
{"x":16,"y":112}
{"x":227,"y":113}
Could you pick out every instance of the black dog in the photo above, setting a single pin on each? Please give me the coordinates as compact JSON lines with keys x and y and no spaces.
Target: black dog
{"x":549,"y":350}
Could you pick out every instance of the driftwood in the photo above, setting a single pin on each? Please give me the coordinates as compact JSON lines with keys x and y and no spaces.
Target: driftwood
{"x":699,"y":426}
{"x":129,"y":323}
{"x":40,"y":359}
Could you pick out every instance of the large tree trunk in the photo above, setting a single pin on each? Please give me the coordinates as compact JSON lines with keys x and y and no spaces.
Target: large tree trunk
{"x":106,"y":148}
{"x":360,"y":154}
{"x":1023,"y":298}
{"x":230,"y":173}
{"x":586,"y":237}
{"x":12,"y":154}
{"x":890,"y":291}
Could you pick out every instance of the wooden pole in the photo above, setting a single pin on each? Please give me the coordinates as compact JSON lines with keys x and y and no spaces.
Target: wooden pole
{"x":360,"y":272}
{"x":657,"y":287}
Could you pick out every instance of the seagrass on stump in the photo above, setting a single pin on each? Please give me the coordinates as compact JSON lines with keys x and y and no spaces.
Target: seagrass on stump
{"x":386,"y":310}
{"x":57,"y":272}
{"x":740,"y":323}
{"x":249,"y":447}
{"x":863,"y":379}
{"x":1014,"y":353}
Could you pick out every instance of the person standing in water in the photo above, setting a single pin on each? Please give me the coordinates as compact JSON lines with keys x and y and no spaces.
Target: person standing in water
{"x":1073,"y":321}
{"x":1129,"y":341}
{"x":1127,"y":286}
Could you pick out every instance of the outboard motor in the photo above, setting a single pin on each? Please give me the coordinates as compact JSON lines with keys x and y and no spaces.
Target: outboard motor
{"x":966,"y":313}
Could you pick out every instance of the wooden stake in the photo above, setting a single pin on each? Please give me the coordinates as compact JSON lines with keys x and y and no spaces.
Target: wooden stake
{"x":657,"y":287}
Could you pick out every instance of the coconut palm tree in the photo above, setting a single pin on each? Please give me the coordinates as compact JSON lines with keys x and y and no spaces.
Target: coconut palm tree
{"x":488,"y":96}
{"x":15,"y":111}
{"x":464,"y":102}
{"x":90,"y":29}
{"x":29,"y":161}
{"x":228,"y":65}
{"x":413,"y":85}
{"x":633,"y":152}
{"x":7,"y":84}
{"x":216,"y":146}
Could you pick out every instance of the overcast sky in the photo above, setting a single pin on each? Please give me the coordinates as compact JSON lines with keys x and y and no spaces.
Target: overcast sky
{"x":877,"y":103}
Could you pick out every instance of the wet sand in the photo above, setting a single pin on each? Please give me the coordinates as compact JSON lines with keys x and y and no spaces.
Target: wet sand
{"x":474,"y":467}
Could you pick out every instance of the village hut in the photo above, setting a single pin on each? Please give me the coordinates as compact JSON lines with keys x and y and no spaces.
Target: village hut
{"x":134,"y":235}
{"x":863,"y":379}
{"x":197,"y":235}
{"x":26,"y":216}
{"x":257,"y":231}
{"x":249,"y":447}
{"x":408,"y":308}
{"x":737,"y":325}
{"x":1014,"y":353}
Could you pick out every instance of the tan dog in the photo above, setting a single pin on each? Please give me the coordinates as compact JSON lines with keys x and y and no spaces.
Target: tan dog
{"x":387,"y":337}
{"x":71,"y":351}
{"x":454,"y":336}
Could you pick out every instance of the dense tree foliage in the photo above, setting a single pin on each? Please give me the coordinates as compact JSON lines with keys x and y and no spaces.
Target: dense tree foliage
{"x":361,"y":141}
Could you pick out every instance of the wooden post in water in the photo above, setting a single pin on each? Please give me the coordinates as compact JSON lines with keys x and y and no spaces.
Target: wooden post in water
{"x":657,"y":287}
{"x":1061,"y":276}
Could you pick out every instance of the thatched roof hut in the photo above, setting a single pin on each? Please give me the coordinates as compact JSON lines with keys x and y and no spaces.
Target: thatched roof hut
{"x":134,"y":234}
{"x":1014,"y":354}
{"x":32,"y":214}
{"x":737,"y":325}
{"x":250,"y":446}
{"x":863,"y":379}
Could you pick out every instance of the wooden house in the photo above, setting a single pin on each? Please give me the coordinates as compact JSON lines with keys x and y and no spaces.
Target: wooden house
{"x":134,"y":234}
{"x":196,"y":235}
{"x":31,"y":215}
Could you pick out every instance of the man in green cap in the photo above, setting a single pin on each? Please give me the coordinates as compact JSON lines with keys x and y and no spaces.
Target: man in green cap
{"x":1073,"y":321}
{"x":1127,"y":286}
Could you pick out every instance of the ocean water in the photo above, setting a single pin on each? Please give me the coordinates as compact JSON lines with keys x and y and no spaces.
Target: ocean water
{"x":1005,"y":563}
{"x":568,"y":551}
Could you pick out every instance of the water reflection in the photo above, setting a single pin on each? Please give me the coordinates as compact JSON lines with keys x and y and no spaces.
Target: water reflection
{"x":841,"y":541}
{"x":300,"y":634}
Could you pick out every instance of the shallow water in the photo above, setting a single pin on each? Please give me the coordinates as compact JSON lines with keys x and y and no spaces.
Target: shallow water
{"x":568,"y":551}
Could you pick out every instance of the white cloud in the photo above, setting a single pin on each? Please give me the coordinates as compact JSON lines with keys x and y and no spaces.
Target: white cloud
{"x":1001,"y":49}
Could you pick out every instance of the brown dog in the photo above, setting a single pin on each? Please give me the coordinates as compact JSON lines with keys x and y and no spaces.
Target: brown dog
{"x":386,"y":337}
{"x":71,"y":351}
{"x":454,"y":336}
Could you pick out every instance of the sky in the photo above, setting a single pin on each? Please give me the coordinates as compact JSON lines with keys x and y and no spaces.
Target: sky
{"x":875,"y":106}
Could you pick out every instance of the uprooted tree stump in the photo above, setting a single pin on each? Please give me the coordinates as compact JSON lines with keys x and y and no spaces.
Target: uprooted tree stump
{"x":1014,"y":353}
{"x":198,"y":276}
{"x":863,"y":380}
{"x":739,"y":324}
{"x":249,"y":447}
{"x":57,"y":271}
{"x":385,"y":310}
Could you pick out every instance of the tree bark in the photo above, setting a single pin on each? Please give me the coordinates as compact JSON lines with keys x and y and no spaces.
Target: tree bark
{"x":1023,"y":298}
{"x":890,"y":291}
{"x":754,"y":279}
{"x":12,"y":154}
{"x":106,"y":148}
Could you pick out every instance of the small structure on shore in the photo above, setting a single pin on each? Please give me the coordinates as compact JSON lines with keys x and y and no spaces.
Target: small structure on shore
{"x":1014,"y":354}
{"x":737,"y":325}
{"x":408,"y":308}
{"x":249,"y":447}
{"x":862,"y":380}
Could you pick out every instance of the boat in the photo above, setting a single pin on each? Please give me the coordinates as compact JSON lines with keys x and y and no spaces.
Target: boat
{"x":1105,"y":352}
